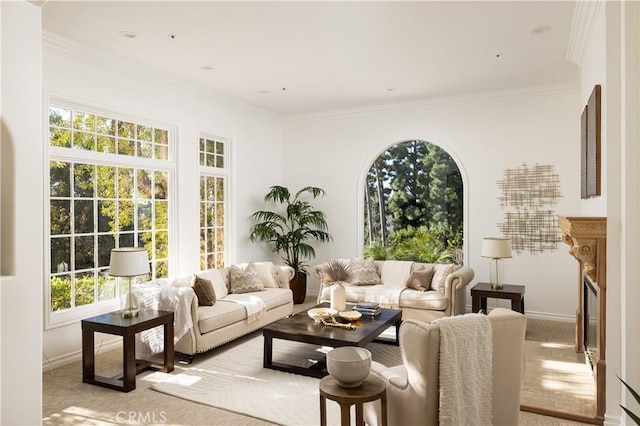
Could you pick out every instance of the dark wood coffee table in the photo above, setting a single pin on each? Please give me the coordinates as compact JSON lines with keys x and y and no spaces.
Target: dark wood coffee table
{"x":301,"y":328}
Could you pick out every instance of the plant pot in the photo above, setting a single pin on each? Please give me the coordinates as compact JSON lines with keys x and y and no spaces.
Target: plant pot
{"x":298,"y":285}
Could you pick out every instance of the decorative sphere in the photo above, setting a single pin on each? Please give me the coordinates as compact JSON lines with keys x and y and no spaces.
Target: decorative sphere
{"x":349,"y":365}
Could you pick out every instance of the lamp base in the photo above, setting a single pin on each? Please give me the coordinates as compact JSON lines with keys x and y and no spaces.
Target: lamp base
{"x":497,"y":286}
{"x":130,"y":313}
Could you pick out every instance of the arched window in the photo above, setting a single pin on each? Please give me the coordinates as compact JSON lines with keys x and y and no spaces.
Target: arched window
{"x":413,"y":206}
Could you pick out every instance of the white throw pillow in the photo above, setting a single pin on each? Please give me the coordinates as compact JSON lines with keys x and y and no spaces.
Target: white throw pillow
{"x":440,"y":275}
{"x":216,"y":279}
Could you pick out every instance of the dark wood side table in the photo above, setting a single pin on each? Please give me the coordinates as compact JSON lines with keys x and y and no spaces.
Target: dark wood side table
{"x":371,"y":389}
{"x":114,"y":323}
{"x":481,"y":291}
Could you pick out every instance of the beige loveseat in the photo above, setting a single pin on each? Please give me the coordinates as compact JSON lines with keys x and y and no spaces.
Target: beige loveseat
{"x":445,"y":295}
{"x":418,"y":393}
{"x":200,"y":328}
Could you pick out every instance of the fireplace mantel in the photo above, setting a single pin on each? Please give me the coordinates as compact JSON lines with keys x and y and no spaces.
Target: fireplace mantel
{"x":582,"y":234}
{"x":587,"y":239}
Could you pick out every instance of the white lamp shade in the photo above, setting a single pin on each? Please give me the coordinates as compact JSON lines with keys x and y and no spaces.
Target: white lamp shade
{"x":496,"y":247}
{"x":129,"y":262}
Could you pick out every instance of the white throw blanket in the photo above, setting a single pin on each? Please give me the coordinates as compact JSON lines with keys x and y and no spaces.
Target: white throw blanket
{"x":466,"y":370}
{"x":163,"y":296}
{"x":395,"y":274}
{"x":255,"y":306}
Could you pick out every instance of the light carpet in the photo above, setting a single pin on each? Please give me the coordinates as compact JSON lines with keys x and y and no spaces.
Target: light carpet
{"x":235,"y":380}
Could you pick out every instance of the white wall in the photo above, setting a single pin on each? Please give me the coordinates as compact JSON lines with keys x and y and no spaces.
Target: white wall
{"x":93,"y":78}
{"x":486,"y":135}
{"x":22,"y":249}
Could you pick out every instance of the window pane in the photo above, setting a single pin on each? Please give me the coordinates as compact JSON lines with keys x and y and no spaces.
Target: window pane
{"x":60,"y":292}
{"x":106,"y":216}
{"x":60,"y":117}
{"x":144,"y":215}
{"x":211,"y":160}
{"x":126,"y":130}
{"x":144,"y":183}
{"x":203,"y":262}
{"x":105,"y":244}
{"x":126,"y":147}
{"x":211,"y":213}
{"x":211,"y":240}
{"x":59,"y":137}
{"x":219,"y":214}
{"x":203,"y":214}
{"x":106,"y":287}
{"x":201,"y":144}
{"x":202,"y":159}
{"x":220,"y":162}
{"x":125,"y":182}
{"x":220,"y":148}
{"x":106,"y":144}
{"x":83,"y":252}
{"x":60,"y":217}
{"x":145,"y":150}
{"x":161,"y":136}
{"x":83,"y":140}
{"x":162,"y":245}
{"x":125,"y":215}
{"x":211,"y":188}
{"x":145,"y":239}
{"x":85,"y":288}
{"x":60,"y":254}
{"x":106,"y":176}
{"x":83,"y":121}
{"x":161,"y":185}
{"x":83,"y":179}
{"x":220,"y":239}
{"x":59,"y":179}
{"x":220,"y":189}
{"x":211,"y":261}
{"x":125,"y":240}
{"x":162,"y":215}
{"x":106,"y":126}
{"x":83,"y":216}
{"x":211,"y":147}
{"x":145,"y":133}
{"x":162,"y":269}
{"x":162,"y":152}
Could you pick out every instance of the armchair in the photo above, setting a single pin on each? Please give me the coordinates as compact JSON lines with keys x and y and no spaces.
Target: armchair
{"x":413,"y":387}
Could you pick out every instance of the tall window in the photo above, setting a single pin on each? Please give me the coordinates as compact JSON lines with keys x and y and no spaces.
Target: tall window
{"x":109,"y":183}
{"x":414,"y":205}
{"x":213,"y":190}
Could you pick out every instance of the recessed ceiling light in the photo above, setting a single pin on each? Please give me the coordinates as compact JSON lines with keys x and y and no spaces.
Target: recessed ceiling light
{"x":391,"y":89}
{"x":264,"y":92}
{"x":127,"y":34}
{"x":207,"y":67}
{"x":542,"y":29}
{"x":173,"y":36}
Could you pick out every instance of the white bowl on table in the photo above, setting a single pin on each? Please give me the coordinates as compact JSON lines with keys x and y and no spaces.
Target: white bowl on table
{"x":349,"y":365}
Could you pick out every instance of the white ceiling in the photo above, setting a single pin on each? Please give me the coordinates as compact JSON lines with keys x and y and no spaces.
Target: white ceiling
{"x":305,"y":57}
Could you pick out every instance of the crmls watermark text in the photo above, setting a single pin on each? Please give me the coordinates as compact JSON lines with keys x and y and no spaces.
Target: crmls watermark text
{"x":141,"y":417}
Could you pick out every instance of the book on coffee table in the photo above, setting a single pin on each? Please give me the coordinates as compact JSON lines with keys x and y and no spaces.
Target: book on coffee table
{"x":367,"y":308}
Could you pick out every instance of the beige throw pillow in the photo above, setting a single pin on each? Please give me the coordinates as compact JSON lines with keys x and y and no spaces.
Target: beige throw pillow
{"x":440,"y":275}
{"x":364,"y":272}
{"x":217,"y":280}
{"x":204,"y":291}
{"x":244,"y":281}
{"x":421,"y":280}
{"x":265,"y":273}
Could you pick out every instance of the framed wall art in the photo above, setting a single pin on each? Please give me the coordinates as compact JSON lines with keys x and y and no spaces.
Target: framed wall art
{"x":590,"y":136}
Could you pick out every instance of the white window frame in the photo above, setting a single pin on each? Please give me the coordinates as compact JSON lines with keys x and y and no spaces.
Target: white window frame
{"x":223,"y":172}
{"x":52,"y":153}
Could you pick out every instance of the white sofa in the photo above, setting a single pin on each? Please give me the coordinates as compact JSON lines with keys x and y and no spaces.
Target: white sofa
{"x":201,"y":328}
{"x":445,"y":295}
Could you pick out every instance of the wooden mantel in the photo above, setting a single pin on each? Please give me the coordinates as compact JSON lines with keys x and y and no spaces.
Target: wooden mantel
{"x":587,"y":239}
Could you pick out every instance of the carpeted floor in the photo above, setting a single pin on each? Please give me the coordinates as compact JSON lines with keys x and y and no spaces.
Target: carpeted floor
{"x":66,"y":400}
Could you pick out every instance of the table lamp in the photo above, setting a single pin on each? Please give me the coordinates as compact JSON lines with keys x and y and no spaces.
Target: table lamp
{"x":128,"y":262}
{"x":496,"y":248}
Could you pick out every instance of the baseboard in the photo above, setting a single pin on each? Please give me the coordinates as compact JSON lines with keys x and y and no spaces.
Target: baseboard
{"x":49,"y":364}
{"x":542,"y":315}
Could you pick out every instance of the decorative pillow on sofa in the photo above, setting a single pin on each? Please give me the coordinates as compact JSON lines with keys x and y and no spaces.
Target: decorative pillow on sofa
{"x":217,"y":280}
{"x":265,"y":273}
{"x":364,"y":272}
{"x":244,"y":281}
{"x":440,"y":275}
{"x":204,"y":291}
{"x":421,"y":280}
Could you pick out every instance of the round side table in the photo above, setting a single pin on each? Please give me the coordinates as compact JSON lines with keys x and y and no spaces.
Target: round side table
{"x":371,"y":389}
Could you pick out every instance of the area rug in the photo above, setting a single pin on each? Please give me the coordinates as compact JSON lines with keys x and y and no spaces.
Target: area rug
{"x":233,"y":379}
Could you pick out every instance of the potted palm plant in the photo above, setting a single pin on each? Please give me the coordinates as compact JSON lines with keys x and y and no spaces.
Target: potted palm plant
{"x":291,"y":229}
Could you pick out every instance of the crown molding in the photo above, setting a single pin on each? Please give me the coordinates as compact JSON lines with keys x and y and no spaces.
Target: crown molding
{"x":57,"y":44}
{"x":472,"y":97}
{"x":584,"y":18}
